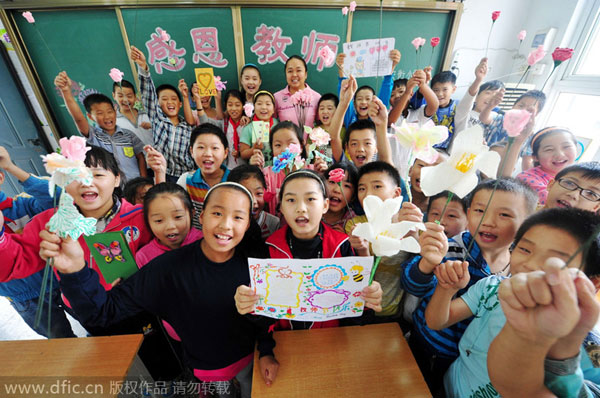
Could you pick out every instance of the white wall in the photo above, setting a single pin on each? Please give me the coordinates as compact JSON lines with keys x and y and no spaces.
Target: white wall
{"x":531,"y":15}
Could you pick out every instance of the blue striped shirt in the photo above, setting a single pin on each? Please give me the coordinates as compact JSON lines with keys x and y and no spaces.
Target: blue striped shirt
{"x":442,"y":343}
{"x":170,"y":140}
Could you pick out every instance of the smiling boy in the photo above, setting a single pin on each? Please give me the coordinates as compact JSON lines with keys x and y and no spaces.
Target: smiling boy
{"x":576,"y":186}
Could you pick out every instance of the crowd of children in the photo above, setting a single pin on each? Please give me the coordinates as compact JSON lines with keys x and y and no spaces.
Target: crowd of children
{"x":198,"y":194}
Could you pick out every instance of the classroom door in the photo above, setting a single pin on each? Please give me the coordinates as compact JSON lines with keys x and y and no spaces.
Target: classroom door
{"x":20,"y":132}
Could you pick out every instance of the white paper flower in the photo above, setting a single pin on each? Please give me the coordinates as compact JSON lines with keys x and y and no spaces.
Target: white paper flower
{"x":457,"y":173}
{"x":387,"y":238}
{"x":421,"y":139}
{"x":64,"y":171}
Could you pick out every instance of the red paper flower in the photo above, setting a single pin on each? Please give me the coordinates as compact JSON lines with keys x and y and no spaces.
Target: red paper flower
{"x":561,"y":54}
{"x":336,"y":175}
{"x":435,"y":41}
{"x":495,"y":16}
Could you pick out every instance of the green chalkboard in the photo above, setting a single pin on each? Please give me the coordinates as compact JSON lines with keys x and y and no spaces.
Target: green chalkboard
{"x":189,"y":28}
{"x":404,"y":26}
{"x":87,"y":44}
{"x":296,"y":25}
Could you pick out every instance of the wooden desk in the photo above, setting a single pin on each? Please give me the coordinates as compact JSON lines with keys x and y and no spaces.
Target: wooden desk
{"x":73,"y":360}
{"x":355,"y":361}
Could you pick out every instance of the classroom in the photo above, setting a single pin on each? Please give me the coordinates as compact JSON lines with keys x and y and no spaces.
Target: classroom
{"x":299,"y":199}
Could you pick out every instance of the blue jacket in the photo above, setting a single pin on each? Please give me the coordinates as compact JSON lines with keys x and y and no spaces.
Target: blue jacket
{"x":17,"y":212}
{"x":385,"y":92}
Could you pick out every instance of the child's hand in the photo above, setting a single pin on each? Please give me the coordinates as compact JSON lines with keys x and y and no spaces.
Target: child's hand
{"x":5,"y":161}
{"x":339,"y":60}
{"x":63,"y":82}
{"x":139,"y":58}
{"x":541,"y":305}
{"x":395,"y":57}
{"x":378,"y":112}
{"x":257,"y":158}
{"x":481,"y":70}
{"x":453,"y":275}
{"x":348,"y":89}
{"x":145,"y":125}
{"x":420,"y":76}
{"x":218,"y":96}
{"x":245,"y":299}
{"x":434,"y":246}
{"x":372,"y":295}
{"x":320,"y":164}
{"x":496,"y":99}
{"x":156,"y":161}
{"x":244,"y":120}
{"x":427,"y":71}
{"x":67,"y":253}
{"x":268,"y":368}
{"x":196,"y":93}
{"x":412,"y":83}
{"x":183,"y":88}
{"x":258,"y":144}
{"x":409,"y":212}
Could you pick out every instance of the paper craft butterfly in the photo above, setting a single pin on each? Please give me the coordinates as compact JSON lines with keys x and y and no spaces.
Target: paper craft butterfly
{"x":114,"y":252}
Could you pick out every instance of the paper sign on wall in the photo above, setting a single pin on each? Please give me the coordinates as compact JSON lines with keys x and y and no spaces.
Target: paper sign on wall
{"x":205,"y":78}
{"x":310,"y":290}
{"x":367,"y":58}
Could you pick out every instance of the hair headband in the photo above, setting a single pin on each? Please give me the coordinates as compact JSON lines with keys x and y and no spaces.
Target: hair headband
{"x":309,"y":174}
{"x":250,"y":64}
{"x":230,"y":184}
{"x":543,"y":131}
{"x":261,"y":92}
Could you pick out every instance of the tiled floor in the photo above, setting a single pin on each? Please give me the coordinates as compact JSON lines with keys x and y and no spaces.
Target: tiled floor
{"x":12,"y":326}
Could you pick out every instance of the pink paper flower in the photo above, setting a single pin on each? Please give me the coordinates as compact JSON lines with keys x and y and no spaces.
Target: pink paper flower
{"x":249,"y":109}
{"x":319,"y":136}
{"x":352,"y":6}
{"x":434,"y":41}
{"x":337,"y":175}
{"x":295,"y":149}
{"x":73,"y":148}
{"x":495,"y":15}
{"x":164,"y":36}
{"x":345,"y":11}
{"x":515,"y":121}
{"x":220,"y":85}
{"x":417,"y":42}
{"x":116,"y":75}
{"x":536,"y":55}
{"x":327,"y":55}
{"x":522,"y":34}
{"x":561,"y":54}
{"x":29,"y":17}
{"x":301,"y":98}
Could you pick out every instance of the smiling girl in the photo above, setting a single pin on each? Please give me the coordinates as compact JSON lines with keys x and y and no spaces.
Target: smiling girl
{"x":251,"y":137}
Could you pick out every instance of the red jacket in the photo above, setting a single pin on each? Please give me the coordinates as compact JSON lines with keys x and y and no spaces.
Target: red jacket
{"x":20,"y":252}
{"x":279,"y":248}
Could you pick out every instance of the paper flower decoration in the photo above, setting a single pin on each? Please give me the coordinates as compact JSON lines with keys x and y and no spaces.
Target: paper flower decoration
{"x":387,"y":238}
{"x":319,"y":136}
{"x":67,"y":221}
{"x":283,"y":160}
{"x":418,"y":42}
{"x":295,"y":149}
{"x":327,"y":55}
{"x":434,"y":41}
{"x":29,"y":17}
{"x":515,"y":121}
{"x":116,"y":75}
{"x":536,"y":55}
{"x":561,"y":54}
{"x":248,"y":109}
{"x":164,"y":36}
{"x":495,"y":16}
{"x":220,"y":85}
{"x":345,"y":11}
{"x":522,"y":34}
{"x":74,"y":148}
{"x":352,"y":6}
{"x":337,"y":175}
{"x":421,"y":139}
{"x":457,"y":173}
{"x":298,"y":162}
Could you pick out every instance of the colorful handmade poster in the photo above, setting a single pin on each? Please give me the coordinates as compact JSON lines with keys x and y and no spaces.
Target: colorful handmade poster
{"x":112,"y":255}
{"x":310,"y":290}
{"x":205,"y":78}
{"x":367,"y":58}
{"x":260,"y":131}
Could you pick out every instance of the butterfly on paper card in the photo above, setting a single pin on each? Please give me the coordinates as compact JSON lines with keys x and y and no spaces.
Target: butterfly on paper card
{"x":110,"y":253}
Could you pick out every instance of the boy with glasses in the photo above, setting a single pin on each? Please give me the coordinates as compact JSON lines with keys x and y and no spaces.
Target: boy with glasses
{"x":576,"y":186}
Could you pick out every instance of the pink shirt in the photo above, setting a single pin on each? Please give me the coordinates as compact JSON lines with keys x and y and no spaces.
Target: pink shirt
{"x":286,"y":111}
{"x":537,"y":179}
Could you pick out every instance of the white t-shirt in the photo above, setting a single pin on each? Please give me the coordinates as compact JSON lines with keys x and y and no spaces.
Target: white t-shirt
{"x":145,"y":135}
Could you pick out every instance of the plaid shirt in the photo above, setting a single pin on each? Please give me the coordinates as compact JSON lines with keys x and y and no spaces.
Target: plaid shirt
{"x":172,"y":141}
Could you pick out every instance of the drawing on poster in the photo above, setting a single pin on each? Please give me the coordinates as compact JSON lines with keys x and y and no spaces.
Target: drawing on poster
{"x":368,"y":58}
{"x":310,"y":290}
